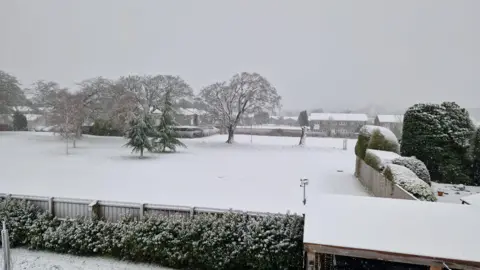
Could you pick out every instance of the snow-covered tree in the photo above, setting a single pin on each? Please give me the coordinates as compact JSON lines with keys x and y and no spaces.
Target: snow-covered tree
{"x":10,"y":93}
{"x":440,"y":136}
{"x":165,"y":137}
{"x":140,"y":129}
{"x":244,"y":93}
{"x":303,"y":122}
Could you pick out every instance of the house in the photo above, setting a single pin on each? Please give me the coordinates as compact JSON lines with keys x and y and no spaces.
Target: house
{"x":389,"y":121}
{"x":337,"y":124}
{"x":183,"y":116}
{"x":401,"y":231}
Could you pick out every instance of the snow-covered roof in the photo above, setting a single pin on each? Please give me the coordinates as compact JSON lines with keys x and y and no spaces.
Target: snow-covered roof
{"x":190,"y":111}
{"x":438,"y":231}
{"x":472,"y":199}
{"x":21,"y":108}
{"x":32,"y":117}
{"x":390,"y":118}
{"x":339,"y":116}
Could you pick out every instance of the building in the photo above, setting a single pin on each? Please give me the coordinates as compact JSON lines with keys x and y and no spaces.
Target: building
{"x":389,"y":121}
{"x":183,"y":116}
{"x":337,"y":124}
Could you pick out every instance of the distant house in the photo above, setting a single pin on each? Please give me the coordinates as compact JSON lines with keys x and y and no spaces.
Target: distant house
{"x":337,"y":124}
{"x":33,"y":118}
{"x":183,"y":116}
{"x":390,"y":121}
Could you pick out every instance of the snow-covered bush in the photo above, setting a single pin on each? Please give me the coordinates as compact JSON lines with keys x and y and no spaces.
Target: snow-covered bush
{"x":383,"y":139}
{"x":378,"y":159}
{"x":362,"y":141}
{"x":409,"y":181}
{"x":416,"y":166}
{"x":207,"y":241}
{"x":440,"y":136}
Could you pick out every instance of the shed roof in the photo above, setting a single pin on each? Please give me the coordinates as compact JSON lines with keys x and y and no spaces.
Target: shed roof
{"x":390,"y":118}
{"x":339,"y":116}
{"x":416,"y":231}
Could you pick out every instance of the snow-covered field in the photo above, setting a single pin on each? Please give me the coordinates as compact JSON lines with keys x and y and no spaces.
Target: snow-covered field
{"x":259,"y":176}
{"x":38,"y":260}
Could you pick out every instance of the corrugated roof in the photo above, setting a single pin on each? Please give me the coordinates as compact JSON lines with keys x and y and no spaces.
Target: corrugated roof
{"x":339,"y":116}
{"x":390,"y":118}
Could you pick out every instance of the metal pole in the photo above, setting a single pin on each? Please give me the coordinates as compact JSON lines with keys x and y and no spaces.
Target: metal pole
{"x":251,"y":131}
{"x":304,"y":183}
{"x":6,"y":248}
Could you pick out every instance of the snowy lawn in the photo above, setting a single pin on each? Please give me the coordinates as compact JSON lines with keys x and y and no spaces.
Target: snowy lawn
{"x":38,"y":260}
{"x":259,"y":176}
{"x":453,"y":193}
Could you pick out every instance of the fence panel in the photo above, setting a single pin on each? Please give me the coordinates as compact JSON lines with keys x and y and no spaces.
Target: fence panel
{"x":70,"y":208}
{"x":378,"y":185}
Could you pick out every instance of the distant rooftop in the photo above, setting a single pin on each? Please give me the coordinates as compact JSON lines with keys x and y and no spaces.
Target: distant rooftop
{"x":338,"y":116}
{"x":390,"y":118}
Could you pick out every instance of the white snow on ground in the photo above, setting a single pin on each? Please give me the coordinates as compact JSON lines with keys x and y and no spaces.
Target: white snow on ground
{"x":39,"y":260}
{"x":439,"y":230}
{"x":259,"y":176}
{"x":453,"y":193}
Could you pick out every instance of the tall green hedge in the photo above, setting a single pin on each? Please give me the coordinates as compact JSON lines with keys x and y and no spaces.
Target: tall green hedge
{"x":440,"y":136}
{"x":228,"y":241}
{"x":383,"y":139}
{"x":362,"y":141}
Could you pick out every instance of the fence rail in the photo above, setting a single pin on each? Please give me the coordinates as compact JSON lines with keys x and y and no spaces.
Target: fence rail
{"x":378,"y":185}
{"x":114,"y":211}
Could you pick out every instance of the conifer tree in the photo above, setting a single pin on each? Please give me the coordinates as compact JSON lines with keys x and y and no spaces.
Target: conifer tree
{"x":476,"y":158}
{"x":165,"y":135}
{"x":138,"y":134}
{"x":303,"y":122}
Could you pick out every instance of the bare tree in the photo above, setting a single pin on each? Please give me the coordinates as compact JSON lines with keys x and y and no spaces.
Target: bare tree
{"x":45,"y":96}
{"x":245,"y":93}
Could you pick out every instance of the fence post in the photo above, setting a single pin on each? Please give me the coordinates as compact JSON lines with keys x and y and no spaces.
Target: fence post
{"x":192,"y":212}
{"x":6,"y":248}
{"x":93,"y":209}
{"x":345,"y":142}
{"x":142,"y":211}
{"x":50,"y":206}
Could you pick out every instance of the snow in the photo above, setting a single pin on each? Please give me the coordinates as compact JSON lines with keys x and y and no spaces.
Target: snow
{"x":454,"y":193}
{"x":367,"y":130}
{"x":38,"y":260}
{"x":472,"y":199}
{"x":390,"y":118}
{"x":272,"y":127}
{"x":383,"y":157}
{"x":408,"y":180}
{"x":261,"y":176}
{"x":440,"y":230}
{"x":338,"y":117}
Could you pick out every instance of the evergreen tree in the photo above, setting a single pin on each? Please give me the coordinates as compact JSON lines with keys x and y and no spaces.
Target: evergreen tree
{"x":476,"y":158}
{"x":440,"y":136}
{"x":165,"y":135}
{"x":138,"y":134}
{"x":19,"y":121}
{"x":303,"y":122}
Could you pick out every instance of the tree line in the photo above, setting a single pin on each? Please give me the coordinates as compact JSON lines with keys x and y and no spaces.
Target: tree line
{"x":129,"y":100}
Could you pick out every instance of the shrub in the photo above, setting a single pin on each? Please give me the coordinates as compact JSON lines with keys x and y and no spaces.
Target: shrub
{"x":104,"y":128}
{"x":362,"y":141}
{"x":416,"y":166}
{"x":440,"y":136}
{"x":20,"y":122}
{"x":226,"y":241}
{"x":383,"y":139}
{"x":377,"y":159}
{"x":476,"y":158}
{"x":409,"y":181}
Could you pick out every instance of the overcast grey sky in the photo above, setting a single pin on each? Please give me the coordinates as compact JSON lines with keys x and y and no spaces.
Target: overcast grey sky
{"x":330,"y":54}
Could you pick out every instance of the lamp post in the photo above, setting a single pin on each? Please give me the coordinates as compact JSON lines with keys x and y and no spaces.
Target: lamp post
{"x":304,"y":183}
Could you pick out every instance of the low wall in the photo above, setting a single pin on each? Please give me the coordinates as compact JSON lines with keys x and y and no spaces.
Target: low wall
{"x":114,"y":211}
{"x":377,"y":184}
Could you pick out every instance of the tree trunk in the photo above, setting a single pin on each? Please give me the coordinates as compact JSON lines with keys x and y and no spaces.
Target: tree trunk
{"x":141,"y":152}
{"x":303,"y":137}
{"x":231,"y":132}
{"x":74,"y":142}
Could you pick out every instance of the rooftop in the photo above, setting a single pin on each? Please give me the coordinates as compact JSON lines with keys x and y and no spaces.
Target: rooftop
{"x":390,"y":118}
{"x":338,"y":116}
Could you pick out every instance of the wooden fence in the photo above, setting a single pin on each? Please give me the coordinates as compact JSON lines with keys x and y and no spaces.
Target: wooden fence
{"x":114,"y":211}
{"x":378,"y":185}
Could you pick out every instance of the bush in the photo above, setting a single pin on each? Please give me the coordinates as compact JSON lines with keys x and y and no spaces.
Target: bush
{"x":440,"y":135}
{"x":416,"y":166}
{"x":362,"y":141}
{"x":20,"y":122}
{"x":226,"y":241}
{"x":383,"y":139}
{"x":409,"y":181}
{"x":104,"y":128}
{"x":476,"y":158}
{"x":378,"y":159}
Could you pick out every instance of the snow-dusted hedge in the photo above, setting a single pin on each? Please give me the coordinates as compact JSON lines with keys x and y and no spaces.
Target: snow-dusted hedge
{"x":378,"y":159}
{"x":416,"y":166}
{"x":383,"y":139}
{"x":227,"y":241}
{"x":409,"y":181}
{"x":362,"y":141}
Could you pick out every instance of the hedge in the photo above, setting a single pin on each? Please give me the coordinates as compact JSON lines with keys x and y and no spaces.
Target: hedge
{"x":416,"y":166}
{"x":377,"y":159}
{"x":409,"y":181}
{"x":383,"y":139}
{"x":362,"y":141}
{"x":207,"y":241}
